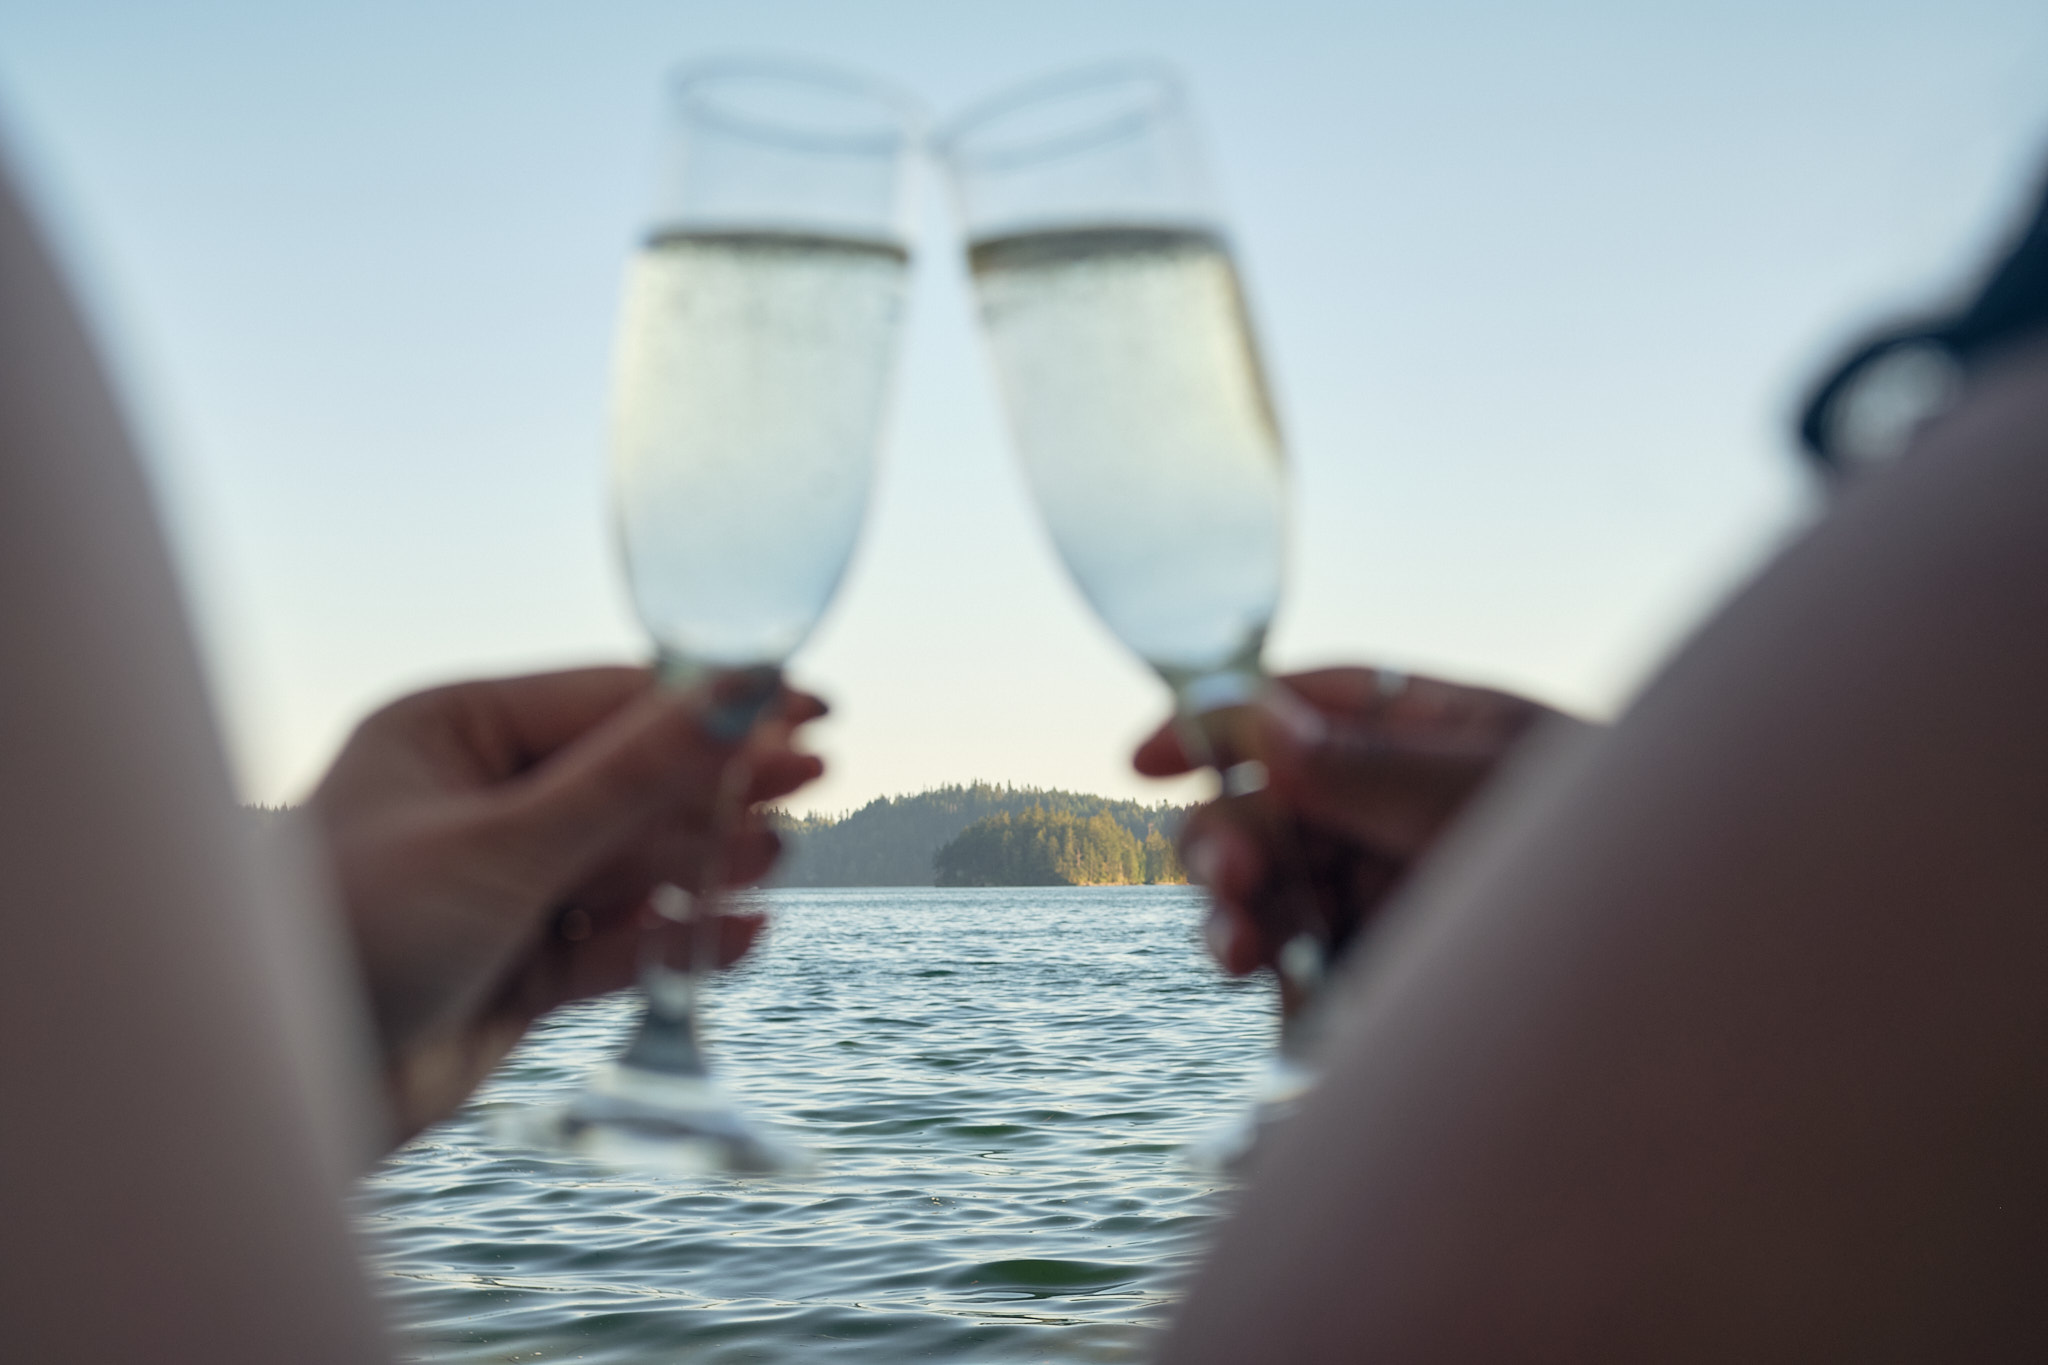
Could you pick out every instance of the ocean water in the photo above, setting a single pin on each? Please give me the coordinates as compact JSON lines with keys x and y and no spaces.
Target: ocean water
{"x":998,"y":1083}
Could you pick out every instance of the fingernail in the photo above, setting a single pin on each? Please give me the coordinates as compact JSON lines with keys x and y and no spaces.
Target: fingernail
{"x":1201,"y":859}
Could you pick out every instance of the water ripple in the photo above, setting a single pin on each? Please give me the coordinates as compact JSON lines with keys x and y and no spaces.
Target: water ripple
{"x":998,"y":1082}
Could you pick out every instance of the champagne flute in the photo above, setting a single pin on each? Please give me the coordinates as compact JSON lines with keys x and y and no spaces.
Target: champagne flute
{"x":1124,"y":351}
{"x":757,"y":341}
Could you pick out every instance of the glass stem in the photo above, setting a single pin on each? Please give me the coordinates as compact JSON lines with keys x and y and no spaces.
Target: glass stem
{"x":1224,"y":737}
{"x":667,"y":1041}
{"x":670,"y":1036}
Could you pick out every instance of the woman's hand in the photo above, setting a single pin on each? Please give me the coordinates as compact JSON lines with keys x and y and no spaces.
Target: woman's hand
{"x":1365,"y":771}
{"x":496,"y":842}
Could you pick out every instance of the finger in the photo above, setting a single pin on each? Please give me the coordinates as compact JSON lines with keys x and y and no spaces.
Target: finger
{"x":1392,"y":784}
{"x":504,"y":726}
{"x":1376,"y":796}
{"x":1233,"y":940}
{"x":1273,"y":878}
{"x":1222,"y":855}
{"x":775,"y":775}
{"x":514,"y":723}
{"x":1350,"y":689}
{"x":1416,"y":703}
{"x":682,"y":855}
{"x":1163,"y":754}
{"x":677,"y":854}
{"x":798,"y":707}
{"x":565,"y":972}
{"x":1428,"y":723}
{"x":782,"y":716}
{"x":595,"y":797}
{"x":1346,"y":690}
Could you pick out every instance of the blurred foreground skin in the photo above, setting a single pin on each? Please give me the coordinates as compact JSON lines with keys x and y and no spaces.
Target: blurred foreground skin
{"x":191,"y":1076}
{"x":178,"y":1116}
{"x":1721,"y":1035}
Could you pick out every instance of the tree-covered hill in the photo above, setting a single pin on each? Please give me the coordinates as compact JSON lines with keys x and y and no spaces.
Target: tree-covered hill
{"x":1049,"y":848}
{"x":892,"y":840}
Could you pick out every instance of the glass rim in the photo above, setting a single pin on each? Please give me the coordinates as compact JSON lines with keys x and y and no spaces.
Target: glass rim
{"x":899,"y":123}
{"x":1156,"y":89}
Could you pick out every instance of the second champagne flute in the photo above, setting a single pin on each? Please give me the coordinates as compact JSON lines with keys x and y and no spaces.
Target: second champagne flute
{"x":1125,"y":355}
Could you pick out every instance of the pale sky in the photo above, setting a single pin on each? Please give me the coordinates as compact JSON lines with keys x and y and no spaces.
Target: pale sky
{"x":1538,"y":285}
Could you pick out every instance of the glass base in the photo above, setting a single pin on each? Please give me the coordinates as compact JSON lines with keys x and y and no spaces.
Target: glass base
{"x":631,"y":1117}
{"x":1289,"y":1073}
{"x":1233,"y":1147}
{"x":658,"y":1108}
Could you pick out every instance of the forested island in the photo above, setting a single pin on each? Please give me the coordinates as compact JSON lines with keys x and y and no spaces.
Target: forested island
{"x":988,"y":835}
{"x":1051,"y":848}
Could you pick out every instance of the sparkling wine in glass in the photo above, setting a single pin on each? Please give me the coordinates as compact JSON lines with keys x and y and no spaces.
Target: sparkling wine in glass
{"x":1125,"y":355}
{"x":756,"y":345}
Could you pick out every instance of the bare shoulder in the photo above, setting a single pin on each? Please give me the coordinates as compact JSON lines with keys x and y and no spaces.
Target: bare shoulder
{"x":1726,"y":1038}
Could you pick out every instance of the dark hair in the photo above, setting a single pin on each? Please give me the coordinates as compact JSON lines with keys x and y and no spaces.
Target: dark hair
{"x":2011,"y":306}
